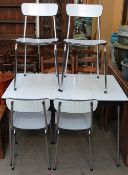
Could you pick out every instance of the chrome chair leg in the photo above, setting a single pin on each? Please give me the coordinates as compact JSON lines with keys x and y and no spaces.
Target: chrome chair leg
{"x":10,"y":145}
{"x":118,"y":134}
{"x":55,"y":159}
{"x":98,"y":61}
{"x":11,"y":133}
{"x":15,"y":71}
{"x":51,"y":133}
{"x":65,"y":71}
{"x":55,"y":55}
{"x":64,"y":65}
{"x":46,"y":140}
{"x":90,"y":151}
{"x":105,"y":68}
{"x":13,"y":148}
{"x":25,"y":57}
{"x":39,"y":58}
{"x":16,"y":138}
{"x":56,"y":65}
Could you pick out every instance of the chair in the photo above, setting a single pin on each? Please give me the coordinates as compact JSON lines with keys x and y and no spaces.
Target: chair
{"x":85,"y":60}
{"x":74,"y":115}
{"x":27,"y":115}
{"x":37,"y":10}
{"x":84,"y":10}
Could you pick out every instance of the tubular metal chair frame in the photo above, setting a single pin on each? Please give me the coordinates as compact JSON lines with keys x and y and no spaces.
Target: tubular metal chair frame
{"x":11,"y":103}
{"x":84,"y":10}
{"x":91,"y":106}
{"x":37,"y":10}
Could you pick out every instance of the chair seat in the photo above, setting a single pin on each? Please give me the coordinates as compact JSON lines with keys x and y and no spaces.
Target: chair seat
{"x":30,"y":120}
{"x":33,"y":41}
{"x":76,"y":42}
{"x":74,"y":121}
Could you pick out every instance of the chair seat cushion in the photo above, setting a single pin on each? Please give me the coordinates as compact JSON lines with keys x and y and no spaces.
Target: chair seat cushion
{"x":74,"y":121}
{"x":34,"y":41}
{"x":30,"y":120}
{"x":85,"y":42}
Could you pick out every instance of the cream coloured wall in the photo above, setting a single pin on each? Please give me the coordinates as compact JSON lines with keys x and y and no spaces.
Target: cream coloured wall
{"x":107,"y":19}
{"x":117,"y":14}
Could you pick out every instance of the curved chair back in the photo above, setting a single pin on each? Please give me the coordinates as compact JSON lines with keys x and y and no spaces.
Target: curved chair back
{"x":39,"y":9}
{"x":27,"y":105}
{"x":84,"y":10}
{"x":75,"y":106}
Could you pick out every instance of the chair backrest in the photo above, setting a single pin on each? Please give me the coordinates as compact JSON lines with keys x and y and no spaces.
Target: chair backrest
{"x":27,"y":105}
{"x":76,"y":106}
{"x":84,"y":10}
{"x":39,"y":9}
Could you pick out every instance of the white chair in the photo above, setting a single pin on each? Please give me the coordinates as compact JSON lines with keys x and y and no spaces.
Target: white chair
{"x":84,"y":10}
{"x":27,"y":115}
{"x":74,"y":115}
{"x":37,"y":10}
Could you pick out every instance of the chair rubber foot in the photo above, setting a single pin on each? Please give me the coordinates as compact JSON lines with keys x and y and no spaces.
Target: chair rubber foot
{"x":15,"y":89}
{"x":13,"y":168}
{"x":49,"y":168}
{"x":105,"y":92}
{"x":54,"y":169}
{"x":91,"y":169}
{"x":16,"y":143}
{"x":118,"y":165}
{"x":60,"y":90}
{"x":10,"y":164}
{"x":25,"y":75}
{"x":98,"y":77}
{"x":64,"y":75}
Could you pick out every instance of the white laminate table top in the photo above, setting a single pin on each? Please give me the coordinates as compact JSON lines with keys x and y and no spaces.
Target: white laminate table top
{"x":75,"y":86}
